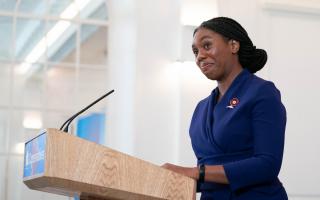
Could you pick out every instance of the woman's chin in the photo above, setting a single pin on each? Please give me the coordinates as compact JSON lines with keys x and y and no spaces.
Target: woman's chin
{"x":211,"y":76}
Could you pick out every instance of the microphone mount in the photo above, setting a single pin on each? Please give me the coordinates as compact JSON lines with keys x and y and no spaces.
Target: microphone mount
{"x":68,"y":122}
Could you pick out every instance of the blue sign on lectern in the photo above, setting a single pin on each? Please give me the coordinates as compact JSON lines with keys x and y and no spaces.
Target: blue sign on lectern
{"x":34,"y":156}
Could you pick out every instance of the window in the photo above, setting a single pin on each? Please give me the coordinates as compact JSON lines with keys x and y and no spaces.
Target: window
{"x":53,"y":62}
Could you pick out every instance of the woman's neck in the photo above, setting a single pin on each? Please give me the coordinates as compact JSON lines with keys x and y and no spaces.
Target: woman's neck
{"x":224,"y":85}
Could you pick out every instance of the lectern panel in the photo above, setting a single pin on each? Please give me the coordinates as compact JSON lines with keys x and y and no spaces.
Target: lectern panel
{"x":34,"y":157}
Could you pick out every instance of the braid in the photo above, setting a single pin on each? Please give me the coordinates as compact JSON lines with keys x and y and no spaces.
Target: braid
{"x":249,"y":56}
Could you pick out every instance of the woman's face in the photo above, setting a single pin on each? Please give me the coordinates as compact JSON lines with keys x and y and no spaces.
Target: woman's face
{"x":213,"y":53}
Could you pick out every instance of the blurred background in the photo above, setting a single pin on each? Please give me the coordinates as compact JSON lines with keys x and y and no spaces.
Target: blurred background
{"x":57,"y":56}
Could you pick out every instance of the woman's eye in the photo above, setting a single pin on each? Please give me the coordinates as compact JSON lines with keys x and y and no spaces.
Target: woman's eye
{"x":195,"y":52}
{"x":206,"y":46}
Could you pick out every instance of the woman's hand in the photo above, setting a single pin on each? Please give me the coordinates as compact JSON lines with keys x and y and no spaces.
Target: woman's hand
{"x":213,"y":173}
{"x":191,"y":172}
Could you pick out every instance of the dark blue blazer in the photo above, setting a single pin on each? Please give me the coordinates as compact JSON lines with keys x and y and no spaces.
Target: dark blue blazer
{"x":244,"y":132}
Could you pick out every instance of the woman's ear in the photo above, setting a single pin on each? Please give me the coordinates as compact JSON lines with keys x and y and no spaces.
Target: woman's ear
{"x":235,"y":46}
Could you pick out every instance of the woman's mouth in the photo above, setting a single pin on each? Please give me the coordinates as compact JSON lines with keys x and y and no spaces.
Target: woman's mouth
{"x":206,"y":66}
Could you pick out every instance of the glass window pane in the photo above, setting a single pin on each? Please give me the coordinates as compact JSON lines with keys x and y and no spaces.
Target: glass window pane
{"x":61,"y":87}
{"x":16,"y":131}
{"x":32,"y":6}
{"x":5,"y":77}
{"x":3,"y":174}
{"x":93,"y":49}
{"x":17,"y":190}
{"x":6,"y":38}
{"x":91,"y":85}
{"x":30,"y":42}
{"x":56,"y":7}
{"x":29,"y":85}
{"x":96,"y":9}
{"x":7,"y":5}
{"x":3,"y":130}
{"x":62,"y":44}
{"x":21,"y":129}
{"x":55,"y":119}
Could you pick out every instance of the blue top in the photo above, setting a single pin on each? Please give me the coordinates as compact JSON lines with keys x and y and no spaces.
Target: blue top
{"x":244,"y":132}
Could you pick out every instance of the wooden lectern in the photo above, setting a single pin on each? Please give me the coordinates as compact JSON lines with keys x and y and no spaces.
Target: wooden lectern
{"x":61,"y":163}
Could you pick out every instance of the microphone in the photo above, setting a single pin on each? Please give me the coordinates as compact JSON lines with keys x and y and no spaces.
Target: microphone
{"x":68,"y":122}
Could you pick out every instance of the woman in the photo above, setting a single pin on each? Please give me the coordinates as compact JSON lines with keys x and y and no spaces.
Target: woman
{"x":237,"y":132}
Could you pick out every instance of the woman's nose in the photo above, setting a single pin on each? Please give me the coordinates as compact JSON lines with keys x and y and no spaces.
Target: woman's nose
{"x":200,"y":55}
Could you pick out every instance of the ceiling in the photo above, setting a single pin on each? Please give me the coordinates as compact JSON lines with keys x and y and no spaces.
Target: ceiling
{"x":24,"y":24}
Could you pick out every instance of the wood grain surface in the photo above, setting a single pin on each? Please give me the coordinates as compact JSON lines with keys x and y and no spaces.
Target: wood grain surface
{"x":74,"y":166}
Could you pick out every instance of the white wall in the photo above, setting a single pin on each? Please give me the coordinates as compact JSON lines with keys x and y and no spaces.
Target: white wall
{"x":150,"y":115}
{"x":144,"y":112}
{"x":121,"y":75}
{"x":156,"y":93}
{"x":296,"y":70}
{"x":155,"y":96}
{"x":290,"y":36}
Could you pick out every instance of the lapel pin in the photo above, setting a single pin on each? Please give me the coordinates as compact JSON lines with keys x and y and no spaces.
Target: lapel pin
{"x":233,"y":103}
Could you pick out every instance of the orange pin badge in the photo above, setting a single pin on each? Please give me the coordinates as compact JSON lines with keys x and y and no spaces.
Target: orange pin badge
{"x":233,"y":103}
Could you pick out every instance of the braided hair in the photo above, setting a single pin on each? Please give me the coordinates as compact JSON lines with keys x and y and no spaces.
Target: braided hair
{"x":249,"y":56}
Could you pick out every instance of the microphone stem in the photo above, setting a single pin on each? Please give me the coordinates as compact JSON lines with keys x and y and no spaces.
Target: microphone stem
{"x":68,"y":122}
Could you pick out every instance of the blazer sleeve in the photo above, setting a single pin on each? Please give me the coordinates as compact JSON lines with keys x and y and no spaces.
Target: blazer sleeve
{"x":268,"y":126}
